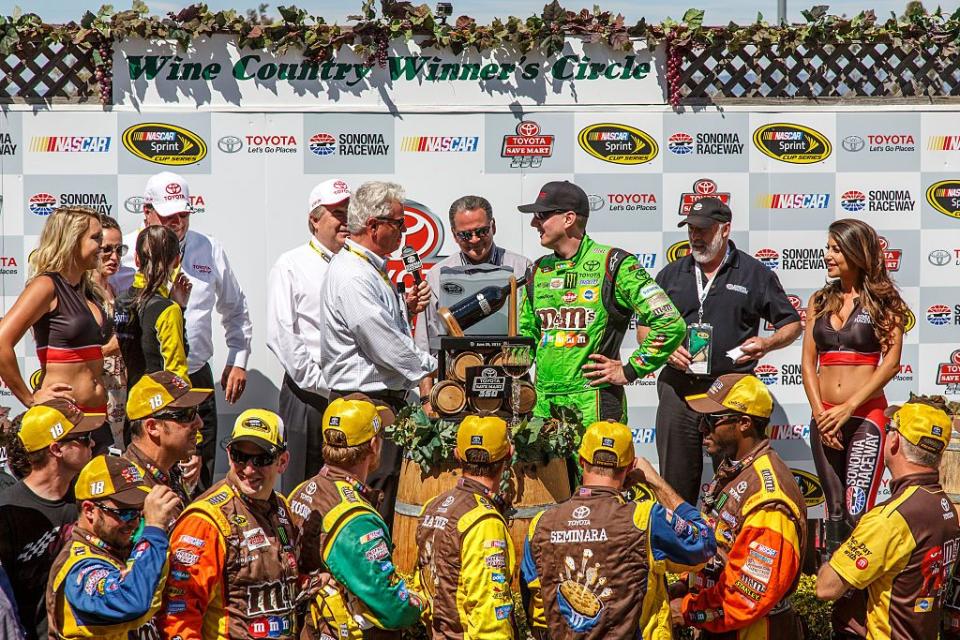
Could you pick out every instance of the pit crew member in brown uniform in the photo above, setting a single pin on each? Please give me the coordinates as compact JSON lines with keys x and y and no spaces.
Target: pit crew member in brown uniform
{"x":466,"y":559}
{"x":594,"y":564}
{"x":902,"y":551}
{"x":759,"y":516}
{"x":342,"y":534}
{"x":233,"y":566}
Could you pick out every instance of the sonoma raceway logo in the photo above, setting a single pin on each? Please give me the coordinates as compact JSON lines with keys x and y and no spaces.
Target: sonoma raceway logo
{"x":349,"y":144}
{"x":792,"y":259}
{"x":940,"y":314}
{"x":43,"y":204}
{"x":715,"y":144}
{"x":855,"y":200}
{"x":788,"y":374}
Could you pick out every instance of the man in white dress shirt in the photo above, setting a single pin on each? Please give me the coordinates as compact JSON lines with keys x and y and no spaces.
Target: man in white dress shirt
{"x":166,"y":201}
{"x":365,"y":343}
{"x":293,"y":329}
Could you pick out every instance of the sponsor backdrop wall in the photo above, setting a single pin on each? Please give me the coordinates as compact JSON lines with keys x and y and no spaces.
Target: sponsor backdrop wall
{"x":252,"y":148}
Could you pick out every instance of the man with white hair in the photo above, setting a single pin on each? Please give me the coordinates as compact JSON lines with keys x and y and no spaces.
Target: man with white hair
{"x":293,"y":328}
{"x":213,"y":284}
{"x":365,"y":344}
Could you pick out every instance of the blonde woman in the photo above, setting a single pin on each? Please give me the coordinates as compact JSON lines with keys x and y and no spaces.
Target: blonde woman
{"x":64,"y":306}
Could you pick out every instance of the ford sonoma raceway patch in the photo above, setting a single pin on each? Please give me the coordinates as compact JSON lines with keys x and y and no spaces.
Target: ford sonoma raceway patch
{"x":164,"y":144}
{"x":792,"y":143}
{"x":618,"y":143}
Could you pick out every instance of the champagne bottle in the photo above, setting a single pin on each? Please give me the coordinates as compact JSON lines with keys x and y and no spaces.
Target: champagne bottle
{"x":484,"y":303}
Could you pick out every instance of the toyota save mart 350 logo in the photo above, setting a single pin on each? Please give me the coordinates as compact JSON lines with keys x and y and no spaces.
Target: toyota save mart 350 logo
{"x":425,"y":233}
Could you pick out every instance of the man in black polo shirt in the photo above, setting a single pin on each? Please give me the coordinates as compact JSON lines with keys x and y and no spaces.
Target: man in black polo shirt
{"x":723,"y":294}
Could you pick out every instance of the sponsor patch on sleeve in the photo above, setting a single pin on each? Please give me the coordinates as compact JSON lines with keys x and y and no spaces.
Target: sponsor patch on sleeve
{"x":373,"y":535}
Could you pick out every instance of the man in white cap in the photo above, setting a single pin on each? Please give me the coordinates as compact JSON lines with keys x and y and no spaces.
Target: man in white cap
{"x":166,"y":201}
{"x":293,"y":328}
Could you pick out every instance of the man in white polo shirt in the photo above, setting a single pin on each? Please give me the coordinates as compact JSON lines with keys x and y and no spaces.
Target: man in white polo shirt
{"x":166,"y":201}
{"x":293,"y":328}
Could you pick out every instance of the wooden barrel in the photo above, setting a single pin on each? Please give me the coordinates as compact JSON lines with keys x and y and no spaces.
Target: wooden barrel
{"x":535,"y":486}
{"x":950,"y":466}
{"x":486,"y":406}
{"x":448,"y":398}
{"x":460,"y":364}
{"x":528,"y":396}
{"x":495,"y":359}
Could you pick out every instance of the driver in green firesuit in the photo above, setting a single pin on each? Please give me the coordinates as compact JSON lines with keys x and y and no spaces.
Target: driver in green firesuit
{"x":577,"y":306}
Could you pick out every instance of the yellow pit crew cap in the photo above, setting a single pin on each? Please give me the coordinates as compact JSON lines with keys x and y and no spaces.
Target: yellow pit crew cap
{"x":740,"y":392}
{"x":160,"y":390}
{"x":260,"y":427}
{"x":114,"y":478}
{"x":52,"y":421}
{"x":357,"y":417}
{"x":612,"y":437}
{"x":488,"y":433}
{"x":922,"y":422}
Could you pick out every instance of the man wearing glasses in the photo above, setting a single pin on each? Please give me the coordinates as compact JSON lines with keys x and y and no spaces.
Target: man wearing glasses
{"x":54,"y":445}
{"x":471,"y":219}
{"x":204,"y":262}
{"x":577,"y":306}
{"x":164,"y":425}
{"x":366,"y":344}
{"x":233,"y":565}
{"x":759,"y":518}
{"x":106,"y":581}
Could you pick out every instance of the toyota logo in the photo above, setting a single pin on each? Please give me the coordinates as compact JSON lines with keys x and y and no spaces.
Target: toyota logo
{"x":939,"y":257}
{"x":174,"y":189}
{"x":581,"y":512}
{"x":229,"y":144}
{"x":528,"y":128}
{"x":596,"y":202}
{"x":134,"y":204}
{"x":853,"y":143}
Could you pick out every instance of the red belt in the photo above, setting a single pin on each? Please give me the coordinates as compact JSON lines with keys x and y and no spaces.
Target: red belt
{"x":849,"y":358}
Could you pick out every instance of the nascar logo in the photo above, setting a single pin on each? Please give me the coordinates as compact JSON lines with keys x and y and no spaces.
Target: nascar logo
{"x":944,"y":196}
{"x":66,"y":144}
{"x":432,"y":144}
{"x":938,"y":314}
{"x":809,"y":486}
{"x":853,"y":200}
{"x":680,"y":144}
{"x":943,"y":143}
{"x":768,"y":257}
{"x":322,"y":144}
{"x":42,"y":204}
{"x":767,"y":373}
{"x":795,"y":201}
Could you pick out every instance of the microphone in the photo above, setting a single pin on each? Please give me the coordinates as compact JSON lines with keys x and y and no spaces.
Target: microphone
{"x":412,"y":264}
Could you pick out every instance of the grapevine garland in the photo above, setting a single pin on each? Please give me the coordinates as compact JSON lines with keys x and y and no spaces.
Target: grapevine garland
{"x":371,"y":31}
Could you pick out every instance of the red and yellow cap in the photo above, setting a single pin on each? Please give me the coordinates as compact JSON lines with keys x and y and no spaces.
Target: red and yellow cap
{"x":740,"y":392}
{"x":922,"y":423}
{"x":357,"y":417}
{"x":114,"y":478}
{"x":47,"y":422}
{"x":486,"y":433}
{"x":611,"y":437}
{"x":161,"y":390}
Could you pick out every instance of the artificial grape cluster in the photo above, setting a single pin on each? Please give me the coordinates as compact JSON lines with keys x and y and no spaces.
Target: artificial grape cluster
{"x":104,"y":73}
{"x":382,"y":52}
{"x":674,"y":61}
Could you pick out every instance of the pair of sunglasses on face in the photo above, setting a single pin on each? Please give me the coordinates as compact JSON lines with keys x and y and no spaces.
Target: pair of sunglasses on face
{"x":714,"y":420}
{"x":257,"y":459}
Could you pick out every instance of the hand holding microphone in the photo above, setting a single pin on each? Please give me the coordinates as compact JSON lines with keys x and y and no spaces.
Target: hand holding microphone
{"x":418,"y":296}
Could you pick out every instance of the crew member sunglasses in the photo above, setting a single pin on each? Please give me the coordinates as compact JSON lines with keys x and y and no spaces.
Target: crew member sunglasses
{"x":257,"y":459}
{"x":82,"y":439}
{"x":714,"y":420}
{"x":397,"y":223}
{"x":119,"y":249}
{"x":186,"y":415}
{"x":541,"y":216}
{"x":123,"y":515}
{"x":465,"y":236}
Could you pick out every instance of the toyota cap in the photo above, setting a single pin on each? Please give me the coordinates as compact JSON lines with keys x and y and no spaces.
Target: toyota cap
{"x":329,"y":193}
{"x":47,"y":422}
{"x":612,"y":437}
{"x":922,"y":422}
{"x":560,"y":195}
{"x":740,"y":392}
{"x":168,"y":193}
{"x":488,"y":433}
{"x":356,"y":417}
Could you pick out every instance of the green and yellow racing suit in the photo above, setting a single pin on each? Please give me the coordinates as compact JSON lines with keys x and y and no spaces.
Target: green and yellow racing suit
{"x":580,"y":306}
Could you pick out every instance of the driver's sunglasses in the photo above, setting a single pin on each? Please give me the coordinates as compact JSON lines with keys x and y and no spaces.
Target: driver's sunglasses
{"x":397,"y":223}
{"x":187,"y":415}
{"x":119,"y":249}
{"x":714,"y":420}
{"x":542,"y":216}
{"x":257,"y":459}
{"x":83,"y":439}
{"x":123,"y":515}
{"x":465,"y":236}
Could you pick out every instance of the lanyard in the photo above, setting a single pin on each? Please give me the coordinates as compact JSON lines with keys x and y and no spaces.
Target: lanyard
{"x":323,"y":255}
{"x":704,"y":290}
{"x":382,"y":275}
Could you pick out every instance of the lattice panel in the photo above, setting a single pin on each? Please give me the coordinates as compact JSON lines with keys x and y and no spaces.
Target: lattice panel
{"x":49,"y":73}
{"x":843,"y":71}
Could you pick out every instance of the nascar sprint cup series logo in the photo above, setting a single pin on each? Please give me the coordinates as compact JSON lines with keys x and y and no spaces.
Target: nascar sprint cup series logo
{"x":792,"y":143}
{"x":618,"y":143}
{"x":944,"y":196}
{"x":164,"y":144}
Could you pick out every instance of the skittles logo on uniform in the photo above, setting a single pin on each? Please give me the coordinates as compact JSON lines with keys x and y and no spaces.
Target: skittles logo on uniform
{"x":678,"y":250}
{"x":424,"y":232}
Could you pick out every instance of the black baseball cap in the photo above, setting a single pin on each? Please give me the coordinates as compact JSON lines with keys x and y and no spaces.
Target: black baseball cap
{"x":561,"y":195}
{"x":707,"y":212}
